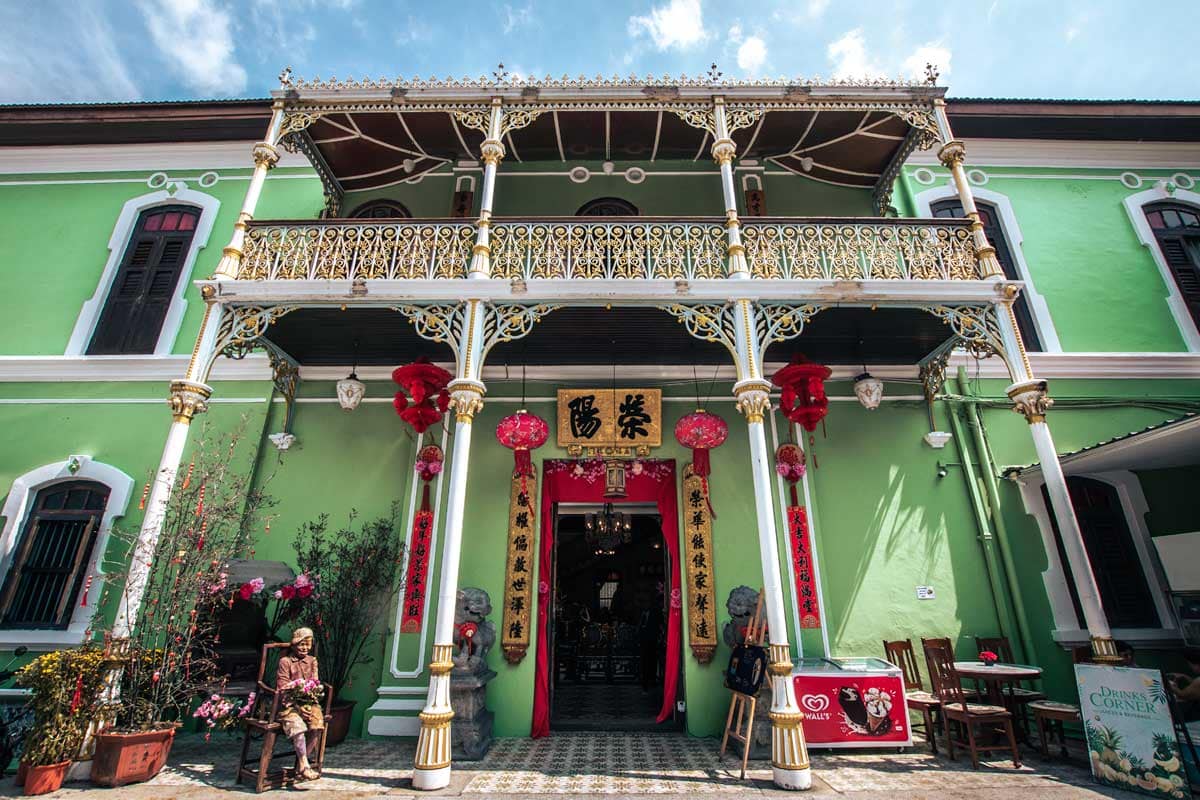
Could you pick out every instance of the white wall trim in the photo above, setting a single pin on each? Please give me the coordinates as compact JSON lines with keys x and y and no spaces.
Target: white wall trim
{"x":1077,"y":154}
{"x":1054,"y":577}
{"x":135,"y":157}
{"x":1012,"y":232}
{"x":1134,"y":204}
{"x":15,"y":511}
{"x":60,"y":369}
{"x":89,"y":315}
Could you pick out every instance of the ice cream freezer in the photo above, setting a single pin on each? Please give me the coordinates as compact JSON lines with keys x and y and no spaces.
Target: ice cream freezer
{"x":852,"y":702}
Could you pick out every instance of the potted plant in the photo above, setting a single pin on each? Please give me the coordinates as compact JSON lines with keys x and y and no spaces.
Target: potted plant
{"x":988,"y":657}
{"x":355,"y":572}
{"x":65,"y":687}
{"x":168,"y":661}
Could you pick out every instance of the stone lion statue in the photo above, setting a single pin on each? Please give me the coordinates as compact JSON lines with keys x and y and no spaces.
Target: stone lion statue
{"x":740,"y":605}
{"x":474,"y":635}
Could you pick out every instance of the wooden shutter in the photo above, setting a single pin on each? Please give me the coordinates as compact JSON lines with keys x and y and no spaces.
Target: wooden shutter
{"x":141,"y":292}
{"x":1183,"y":266}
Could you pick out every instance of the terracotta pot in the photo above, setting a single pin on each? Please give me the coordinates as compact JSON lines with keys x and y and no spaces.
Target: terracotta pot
{"x":22,"y":771}
{"x":45,"y":779}
{"x":338,"y":724}
{"x":123,"y":758}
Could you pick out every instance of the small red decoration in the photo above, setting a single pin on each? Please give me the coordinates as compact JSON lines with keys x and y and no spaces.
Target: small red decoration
{"x":789,"y":463}
{"x":802,"y":399}
{"x":87,"y":587}
{"x":425,"y":384}
{"x":522,"y":432}
{"x":145,"y":493}
{"x":988,"y":657}
{"x":701,"y":431}
{"x":428,"y":466}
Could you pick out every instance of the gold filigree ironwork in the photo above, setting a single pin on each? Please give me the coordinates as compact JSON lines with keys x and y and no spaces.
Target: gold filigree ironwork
{"x":708,"y":322}
{"x":737,"y":118}
{"x":242,"y":328}
{"x":476,"y":118}
{"x":702,"y":117}
{"x":508,"y":322}
{"x":975,"y":325}
{"x":514,"y":119}
{"x":924,"y":122}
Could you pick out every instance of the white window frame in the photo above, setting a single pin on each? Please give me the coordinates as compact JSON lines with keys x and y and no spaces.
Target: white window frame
{"x":1134,"y":505}
{"x":176,"y":194}
{"x":16,"y":512}
{"x":1135,"y":207}
{"x":1042,"y":320}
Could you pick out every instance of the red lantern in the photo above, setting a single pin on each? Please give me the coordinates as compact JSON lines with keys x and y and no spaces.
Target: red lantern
{"x":802,"y":399}
{"x":522,"y":432}
{"x":701,"y":431}
{"x":426,"y":384}
{"x":789,"y":463}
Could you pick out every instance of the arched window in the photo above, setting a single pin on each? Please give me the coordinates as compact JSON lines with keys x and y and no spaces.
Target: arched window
{"x":381,"y":209}
{"x":1124,"y":590}
{"x":607,"y":207}
{"x":145,"y":282}
{"x":1177,"y":229}
{"x":995,"y":235}
{"x":42,"y":587}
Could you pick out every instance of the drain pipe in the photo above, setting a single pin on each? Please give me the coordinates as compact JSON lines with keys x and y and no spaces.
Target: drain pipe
{"x":988,"y":468}
{"x":981,"y":518}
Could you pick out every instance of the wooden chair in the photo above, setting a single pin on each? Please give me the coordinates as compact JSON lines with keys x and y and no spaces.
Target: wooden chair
{"x":1049,"y":716}
{"x":900,"y":653}
{"x":1017,"y":696}
{"x":944,"y":643}
{"x":263,"y":721}
{"x":956,"y":708}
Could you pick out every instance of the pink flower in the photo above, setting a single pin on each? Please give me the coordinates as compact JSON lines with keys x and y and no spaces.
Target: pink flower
{"x":278,"y":595}
{"x":637,"y":468}
{"x":302,"y":580}
{"x":434,"y":467}
{"x":256,"y":585}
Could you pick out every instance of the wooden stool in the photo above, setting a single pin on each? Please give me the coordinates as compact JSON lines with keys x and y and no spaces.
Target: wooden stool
{"x":1048,"y":715}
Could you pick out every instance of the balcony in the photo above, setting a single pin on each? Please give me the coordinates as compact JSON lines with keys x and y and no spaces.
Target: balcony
{"x":644,"y":248}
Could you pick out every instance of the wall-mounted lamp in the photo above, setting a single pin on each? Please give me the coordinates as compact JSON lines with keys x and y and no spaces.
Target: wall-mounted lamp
{"x":943,"y":468}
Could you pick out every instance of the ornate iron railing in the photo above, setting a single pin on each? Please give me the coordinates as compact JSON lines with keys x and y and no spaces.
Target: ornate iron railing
{"x":614,"y":249}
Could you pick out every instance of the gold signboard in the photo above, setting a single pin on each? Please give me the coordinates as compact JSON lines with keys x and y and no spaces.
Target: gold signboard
{"x":698,"y":568}
{"x":518,"y":570}
{"x":609,"y":422}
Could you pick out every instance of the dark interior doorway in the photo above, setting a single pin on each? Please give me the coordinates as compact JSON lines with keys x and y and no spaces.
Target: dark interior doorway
{"x":609,"y":624}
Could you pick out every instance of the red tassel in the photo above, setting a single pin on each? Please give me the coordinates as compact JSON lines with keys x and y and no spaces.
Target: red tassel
{"x":200,"y":540}
{"x":87,"y":585}
{"x":792,"y":489}
{"x":425,"y":497}
{"x":145,"y":494}
{"x":524,"y":462}
{"x":707,"y":499}
{"x":700,"y":462}
{"x":187,"y":479}
{"x":77,"y":698}
{"x":200,"y":502}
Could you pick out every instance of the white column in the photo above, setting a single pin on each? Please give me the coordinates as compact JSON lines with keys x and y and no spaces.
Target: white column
{"x":723,"y":152}
{"x":952,"y":155}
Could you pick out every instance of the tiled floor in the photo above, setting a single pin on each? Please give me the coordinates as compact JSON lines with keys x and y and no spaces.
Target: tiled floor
{"x":612,"y":765}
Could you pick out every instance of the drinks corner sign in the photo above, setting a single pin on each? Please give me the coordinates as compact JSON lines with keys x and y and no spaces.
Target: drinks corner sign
{"x":1131,"y":738}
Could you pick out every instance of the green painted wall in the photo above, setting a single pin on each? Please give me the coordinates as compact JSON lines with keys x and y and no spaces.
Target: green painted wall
{"x":1167,"y":493}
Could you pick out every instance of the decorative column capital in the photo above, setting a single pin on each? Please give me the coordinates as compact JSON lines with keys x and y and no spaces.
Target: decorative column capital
{"x":723,"y":151}
{"x":952,"y":154}
{"x":265,"y":155}
{"x":466,"y":398}
{"x":753,"y":399}
{"x":1030,"y":399}
{"x":491,"y":151}
{"x":188,"y":398}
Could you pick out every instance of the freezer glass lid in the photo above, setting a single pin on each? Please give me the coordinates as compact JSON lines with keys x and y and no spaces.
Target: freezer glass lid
{"x":863,"y":664}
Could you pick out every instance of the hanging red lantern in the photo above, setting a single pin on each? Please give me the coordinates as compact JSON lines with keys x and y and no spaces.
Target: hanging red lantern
{"x":701,"y":431}
{"x":789,"y":463}
{"x":802,"y":398}
{"x":522,"y":432}
{"x":425,"y":384}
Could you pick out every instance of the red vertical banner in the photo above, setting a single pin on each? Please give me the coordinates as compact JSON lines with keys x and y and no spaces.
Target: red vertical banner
{"x":802,"y":566}
{"x":417,"y":580}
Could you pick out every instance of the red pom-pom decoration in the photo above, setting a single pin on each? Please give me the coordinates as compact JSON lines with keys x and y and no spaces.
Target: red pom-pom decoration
{"x":522,"y":432}
{"x":789,"y":462}
{"x":427,"y":397}
{"x":802,"y":399}
{"x":701,"y":431}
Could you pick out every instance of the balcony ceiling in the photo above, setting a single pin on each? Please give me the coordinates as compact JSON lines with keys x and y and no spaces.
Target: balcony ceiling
{"x":372,"y":149}
{"x":596,"y":336}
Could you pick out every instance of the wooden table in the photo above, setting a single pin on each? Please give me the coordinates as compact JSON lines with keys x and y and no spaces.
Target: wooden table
{"x":994,"y":678}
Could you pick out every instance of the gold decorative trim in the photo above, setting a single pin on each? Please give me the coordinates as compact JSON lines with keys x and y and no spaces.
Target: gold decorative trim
{"x":1030,"y":399}
{"x":265,"y":155}
{"x":952,"y":154}
{"x":187,"y":399}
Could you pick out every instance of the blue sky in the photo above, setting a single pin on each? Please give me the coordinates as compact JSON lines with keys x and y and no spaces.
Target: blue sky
{"x":91,"y":50}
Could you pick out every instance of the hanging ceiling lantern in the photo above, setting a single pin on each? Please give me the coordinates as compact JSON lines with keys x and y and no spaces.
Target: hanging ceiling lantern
{"x":701,"y":431}
{"x":869,"y":390}
{"x":614,"y":478}
{"x":426,"y":384}
{"x":350,"y":391}
{"x":522,"y":432}
{"x":802,"y":398}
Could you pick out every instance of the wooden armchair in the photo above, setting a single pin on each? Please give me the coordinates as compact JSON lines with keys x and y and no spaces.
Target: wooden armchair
{"x":900,"y":653}
{"x":1016,"y":696}
{"x":263,"y":721}
{"x":957,"y":708}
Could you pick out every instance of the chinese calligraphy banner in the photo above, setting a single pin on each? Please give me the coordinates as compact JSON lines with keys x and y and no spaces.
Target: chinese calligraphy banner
{"x":518,"y":570}
{"x":417,"y":579}
{"x":698,"y":568}
{"x":802,"y":565}
{"x":609,"y":421}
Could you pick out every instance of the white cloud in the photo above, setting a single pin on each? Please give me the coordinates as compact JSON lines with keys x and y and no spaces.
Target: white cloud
{"x":932,"y":53}
{"x":516,"y":17}
{"x":850,"y":58}
{"x":752,"y":54}
{"x":678,"y":24}
{"x":735,"y":32}
{"x":416,"y":30}
{"x":196,"y":39}
{"x":84,"y":63}
{"x":815,"y":8}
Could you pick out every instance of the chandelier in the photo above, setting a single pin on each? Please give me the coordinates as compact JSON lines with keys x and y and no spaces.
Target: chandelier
{"x":606,"y":530}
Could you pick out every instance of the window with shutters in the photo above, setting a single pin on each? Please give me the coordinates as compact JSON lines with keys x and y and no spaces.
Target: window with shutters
{"x":607,"y":207}
{"x":1116,"y":564}
{"x":1177,"y":229}
{"x":381,"y":209}
{"x":47,"y":572}
{"x":141,"y":293}
{"x":995,"y":235}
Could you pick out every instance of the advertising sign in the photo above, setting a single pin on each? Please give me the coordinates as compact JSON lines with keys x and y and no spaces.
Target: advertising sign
{"x":1131,"y":739}
{"x":849,"y":710}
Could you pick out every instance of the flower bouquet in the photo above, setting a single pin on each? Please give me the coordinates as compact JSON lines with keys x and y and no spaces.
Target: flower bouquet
{"x":221,"y":713}
{"x":988,"y":657}
{"x":303,"y":692}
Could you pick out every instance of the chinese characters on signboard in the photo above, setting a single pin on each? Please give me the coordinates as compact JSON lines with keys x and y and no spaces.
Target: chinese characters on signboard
{"x":609,"y":421}
{"x":802,"y":565}
{"x":416,"y":582}
{"x":698,"y":568}
{"x":518,"y":571}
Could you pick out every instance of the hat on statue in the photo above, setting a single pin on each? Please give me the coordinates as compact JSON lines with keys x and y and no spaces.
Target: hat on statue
{"x":300,"y":634}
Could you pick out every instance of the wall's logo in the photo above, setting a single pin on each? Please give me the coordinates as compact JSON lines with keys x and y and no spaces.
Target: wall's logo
{"x":816,"y":703}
